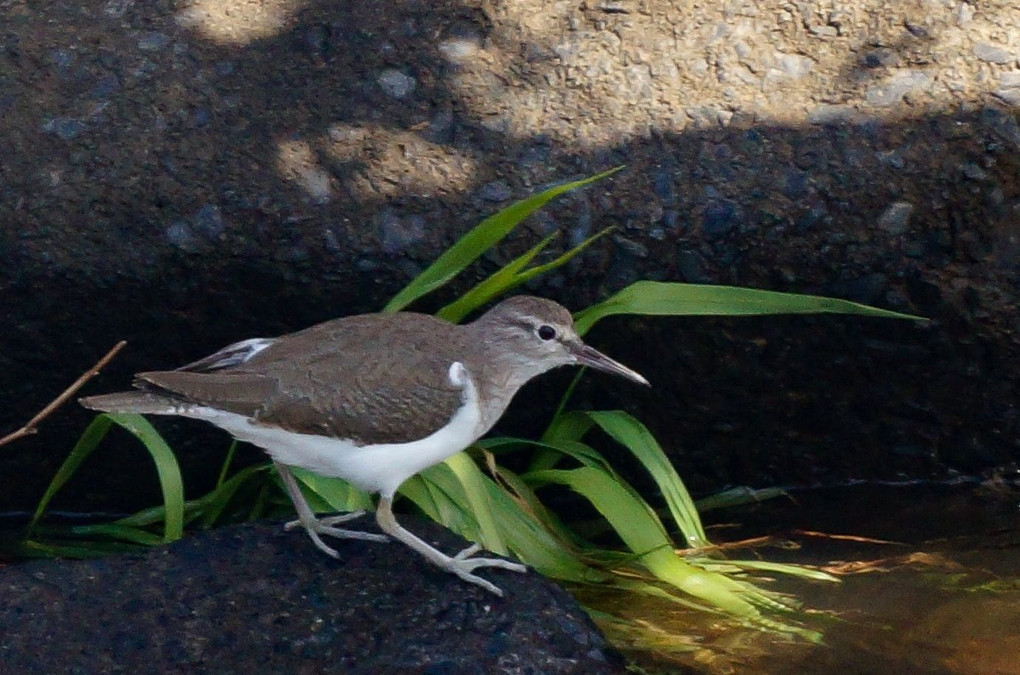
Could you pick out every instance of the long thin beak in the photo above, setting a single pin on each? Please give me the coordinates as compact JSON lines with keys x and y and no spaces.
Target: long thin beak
{"x":588,"y":356}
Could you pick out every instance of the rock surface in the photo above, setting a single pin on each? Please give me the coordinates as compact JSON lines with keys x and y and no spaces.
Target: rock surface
{"x":254,"y":599}
{"x":187,"y":174}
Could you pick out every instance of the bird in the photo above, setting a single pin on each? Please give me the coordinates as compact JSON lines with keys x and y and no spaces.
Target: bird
{"x":373,"y":399}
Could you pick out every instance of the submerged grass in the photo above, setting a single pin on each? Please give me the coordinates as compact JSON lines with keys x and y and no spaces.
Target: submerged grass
{"x":476,"y":496}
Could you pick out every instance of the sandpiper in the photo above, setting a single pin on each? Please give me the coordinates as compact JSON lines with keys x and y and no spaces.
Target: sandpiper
{"x":372,"y":399}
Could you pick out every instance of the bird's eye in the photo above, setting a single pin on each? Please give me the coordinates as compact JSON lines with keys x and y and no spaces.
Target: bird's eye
{"x":546,"y":332}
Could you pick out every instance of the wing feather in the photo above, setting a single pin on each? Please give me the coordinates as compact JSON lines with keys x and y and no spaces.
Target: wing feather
{"x":361,"y":378}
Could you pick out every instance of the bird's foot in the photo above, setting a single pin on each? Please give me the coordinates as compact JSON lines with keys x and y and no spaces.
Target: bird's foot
{"x":317,"y":526}
{"x":463,"y":565}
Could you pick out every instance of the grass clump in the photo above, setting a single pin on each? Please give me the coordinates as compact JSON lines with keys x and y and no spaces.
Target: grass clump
{"x":477,"y":496}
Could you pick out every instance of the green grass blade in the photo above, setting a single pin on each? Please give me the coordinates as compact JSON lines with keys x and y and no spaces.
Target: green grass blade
{"x":643,"y":533}
{"x":210,"y":507}
{"x":227,"y":461}
{"x":133,"y":535}
{"x":438,"y":492}
{"x":87,"y":442}
{"x":455,"y":489}
{"x":478,"y":240}
{"x":659,"y":298}
{"x":801,"y":571}
{"x":634,"y":520}
{"x":31,"y":548}
{"x":533,"y":541}
{"x":423,"y":496}
{"x":498,"y":282}
{"x":167,"y":470}
{"x":571,"y":426}
{"x":631,"y":434}
{"x":170,"y":481}
{"x":331,"y":494}
{"x":511,"y":276}
{"x":738,"y":496}
{"x":472,"y":483}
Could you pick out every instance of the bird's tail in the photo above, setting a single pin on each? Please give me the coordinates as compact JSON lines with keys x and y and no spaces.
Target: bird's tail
{"x":144,"y":402}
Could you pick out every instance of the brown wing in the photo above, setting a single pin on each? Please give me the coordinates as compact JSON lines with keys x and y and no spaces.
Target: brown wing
{"x":339,"y":378}
{"x":242,"y":393}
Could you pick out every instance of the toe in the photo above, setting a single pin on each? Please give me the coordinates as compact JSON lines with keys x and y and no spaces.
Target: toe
{"x":478,"y":581}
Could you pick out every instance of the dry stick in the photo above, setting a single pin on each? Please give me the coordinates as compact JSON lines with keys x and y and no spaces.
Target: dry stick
{"x":30,"y":427}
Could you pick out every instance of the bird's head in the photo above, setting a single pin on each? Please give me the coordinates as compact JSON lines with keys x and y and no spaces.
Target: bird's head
{"x":539,"y":335}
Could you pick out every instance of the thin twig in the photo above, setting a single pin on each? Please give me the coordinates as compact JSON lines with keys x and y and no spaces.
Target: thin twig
{"x":846,"y":537}
{"x":31,"y":427}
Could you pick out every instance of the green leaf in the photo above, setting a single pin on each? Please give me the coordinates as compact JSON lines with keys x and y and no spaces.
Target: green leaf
{"x":642,"y":531}
{"x":631,"y":434}
{"x":455,"y":492}
{"x":658,"y":298}
{"x":477,"y":241}
{"x":498,"y":282}
{"x":331,"y":494}
{"x":511,"y":276}
{"x":738,"y":496}
{"x":167,"y":470}
{"x":210,"y":507}
{"x":439,"y":492}
{"x":792,"y":570}
{"x":30,"y":548}
{"x":537,"y":541}
{"x":472,"y":482}
{"x":134,"y":535}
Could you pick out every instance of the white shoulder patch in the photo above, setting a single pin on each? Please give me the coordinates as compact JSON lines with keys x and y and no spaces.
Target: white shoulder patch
{"x":458,"y":374}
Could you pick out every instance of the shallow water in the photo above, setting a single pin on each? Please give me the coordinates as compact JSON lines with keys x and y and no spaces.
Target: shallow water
{"x":930,"y":585}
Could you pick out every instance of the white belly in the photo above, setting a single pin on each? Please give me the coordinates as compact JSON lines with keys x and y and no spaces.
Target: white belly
{"x":373,"y":468}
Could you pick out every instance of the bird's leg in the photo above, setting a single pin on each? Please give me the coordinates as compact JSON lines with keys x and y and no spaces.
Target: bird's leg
{"x":315,"y":526}
{"x":461,"y":564}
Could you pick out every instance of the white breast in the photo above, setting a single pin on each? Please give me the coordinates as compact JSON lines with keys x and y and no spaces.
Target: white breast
{"x":373,"y":468}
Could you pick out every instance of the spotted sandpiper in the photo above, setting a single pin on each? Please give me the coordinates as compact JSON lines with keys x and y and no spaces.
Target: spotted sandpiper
{"x":372,"y":399}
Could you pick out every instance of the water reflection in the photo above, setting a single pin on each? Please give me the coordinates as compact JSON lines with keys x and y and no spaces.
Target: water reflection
{"x":930,"y":585}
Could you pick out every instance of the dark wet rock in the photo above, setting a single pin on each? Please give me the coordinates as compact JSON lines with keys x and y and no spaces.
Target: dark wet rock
{"x":256,"y":599}
{"x":396,"y":84}
{"x":691,"y":265}
{"x":896,"y":217}
{"x":183,"y":237}
{"x":151,"y":42}
{"x":441,"y":128}
{"x":868,"y":289}
{"x":1005,"y":125}
{"x":398,"y":234}
{"x":796,"y":184}
{"x":720,"y":218}
{"x":663,"y":185}
{"x":631,"y":247}
{"x":66,"y":128}
{"x":106,"y":86}
{"x":209,"y":221}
